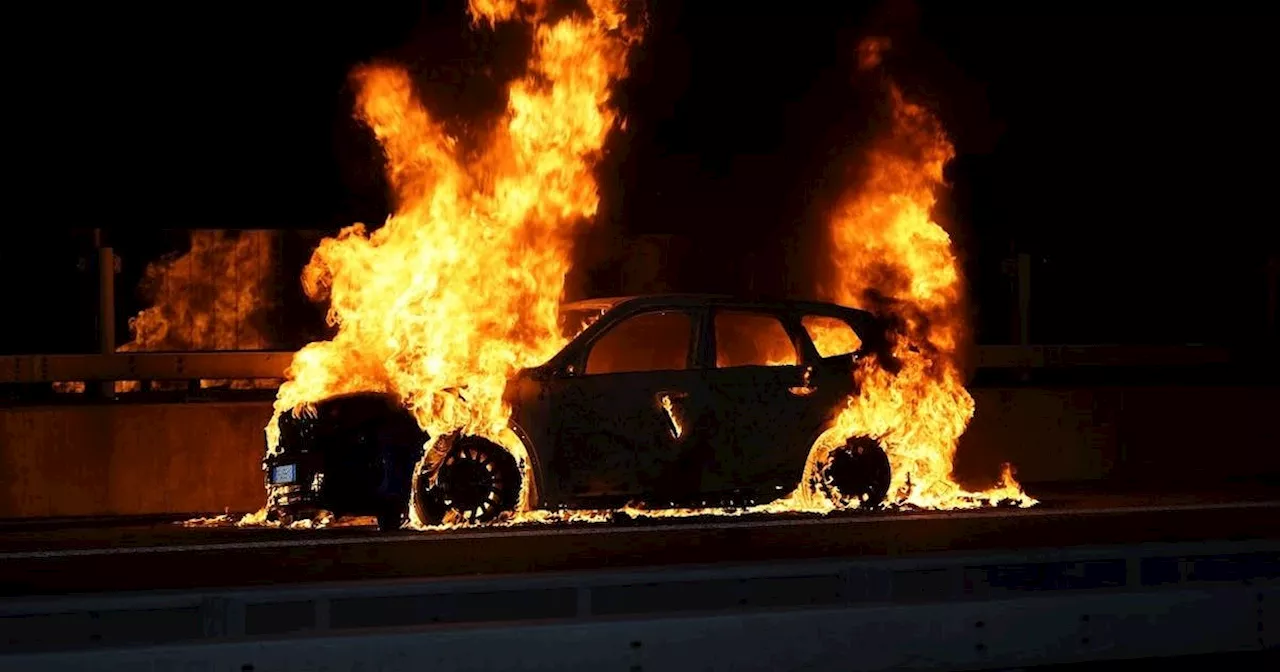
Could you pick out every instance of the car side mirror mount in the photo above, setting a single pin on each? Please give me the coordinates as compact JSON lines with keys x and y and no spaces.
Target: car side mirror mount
{"x":552,"y":373}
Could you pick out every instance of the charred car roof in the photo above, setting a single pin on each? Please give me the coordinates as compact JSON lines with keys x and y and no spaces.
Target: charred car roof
{"x":860,"y":318}
{"x":699,"y":300}
{"x":868,"y":327}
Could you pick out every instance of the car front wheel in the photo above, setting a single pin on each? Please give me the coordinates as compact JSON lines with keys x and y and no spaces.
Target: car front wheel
{"x":477,"y":482}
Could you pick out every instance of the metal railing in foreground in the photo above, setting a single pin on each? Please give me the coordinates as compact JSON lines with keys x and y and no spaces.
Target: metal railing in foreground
{"x":925,"y":612}
{"x":272,"y":365}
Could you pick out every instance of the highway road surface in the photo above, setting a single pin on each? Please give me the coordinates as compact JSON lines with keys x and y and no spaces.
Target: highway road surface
{"x":45,"y":557}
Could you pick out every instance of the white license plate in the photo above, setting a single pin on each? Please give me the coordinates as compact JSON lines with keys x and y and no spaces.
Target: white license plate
{"x":285,"y":473}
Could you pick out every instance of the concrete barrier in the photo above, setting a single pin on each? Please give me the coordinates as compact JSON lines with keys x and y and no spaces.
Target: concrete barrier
{"x":131,"y":459}
{"x":1152,"y":434}
{"x":138,"y":459}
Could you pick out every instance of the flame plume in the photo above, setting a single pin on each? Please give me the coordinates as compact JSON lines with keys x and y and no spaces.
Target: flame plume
{"x":205,"y":299}
{"x":461,"y":286}
{"x":889,"y":256}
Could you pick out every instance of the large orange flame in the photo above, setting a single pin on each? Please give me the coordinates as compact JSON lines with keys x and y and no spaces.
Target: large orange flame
{"x":461,"y":286}
{"x":889,"y":255}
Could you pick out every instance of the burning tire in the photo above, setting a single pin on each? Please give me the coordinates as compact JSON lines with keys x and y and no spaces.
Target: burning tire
{"x":477,"y":481}
{"x":857,"y":472}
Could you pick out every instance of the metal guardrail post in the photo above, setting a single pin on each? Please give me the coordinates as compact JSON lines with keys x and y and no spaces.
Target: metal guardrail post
{"x":106,"y":304}
{"x":1024,"y":306}
{"x":1024,"y":298}
{"x":1273,"y":291}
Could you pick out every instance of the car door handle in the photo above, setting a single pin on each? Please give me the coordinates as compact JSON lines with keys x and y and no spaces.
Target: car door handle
{"x":666,"y":403}
{"x":806,"y":386}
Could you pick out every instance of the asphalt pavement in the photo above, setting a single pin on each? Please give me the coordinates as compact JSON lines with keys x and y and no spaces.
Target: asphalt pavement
{"x":101,"y":555}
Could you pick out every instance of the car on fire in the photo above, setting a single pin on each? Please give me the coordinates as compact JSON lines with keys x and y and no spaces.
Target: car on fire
{"x":666,"y":400}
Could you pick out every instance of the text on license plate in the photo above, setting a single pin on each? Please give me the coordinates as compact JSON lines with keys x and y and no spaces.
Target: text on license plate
{"x":285,"y":473}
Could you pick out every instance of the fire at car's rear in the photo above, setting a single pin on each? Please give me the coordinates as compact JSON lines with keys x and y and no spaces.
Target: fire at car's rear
{"x":295,"y":473}
{"x":350,"y":455}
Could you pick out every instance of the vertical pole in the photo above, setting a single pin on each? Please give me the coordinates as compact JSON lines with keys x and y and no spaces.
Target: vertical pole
{"x":1024,"y":299}
{"x":1024,"y":307}
{"x":1273,"y":289}
{"x":106,"y":303}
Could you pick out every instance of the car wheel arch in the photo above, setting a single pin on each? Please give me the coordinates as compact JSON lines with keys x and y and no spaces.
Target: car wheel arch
{"x":533,"y":473}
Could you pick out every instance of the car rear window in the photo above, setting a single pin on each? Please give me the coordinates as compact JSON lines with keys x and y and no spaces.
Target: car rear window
{"x":752,"y":339}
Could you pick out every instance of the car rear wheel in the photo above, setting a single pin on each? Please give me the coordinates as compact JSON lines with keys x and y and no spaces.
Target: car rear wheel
{"x":857,"y":473}
{"x":477,"y":482}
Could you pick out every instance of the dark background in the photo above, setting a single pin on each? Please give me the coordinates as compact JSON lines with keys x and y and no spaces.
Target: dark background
{"x":1133,"y":155}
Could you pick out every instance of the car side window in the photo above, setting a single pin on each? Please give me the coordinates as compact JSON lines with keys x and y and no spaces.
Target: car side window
{"x":831,"y":336}
{"x":752,"y":339}
{"x":657,"y":341}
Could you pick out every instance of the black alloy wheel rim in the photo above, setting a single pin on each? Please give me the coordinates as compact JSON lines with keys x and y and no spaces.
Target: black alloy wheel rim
{"x":472,"y":483}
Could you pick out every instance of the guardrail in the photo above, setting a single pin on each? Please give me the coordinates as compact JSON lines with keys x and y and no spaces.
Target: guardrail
{"x":144,"y":366}
{"x":949,"y":611}
{"x":1067,"y":356}
{"x":270,"y":365}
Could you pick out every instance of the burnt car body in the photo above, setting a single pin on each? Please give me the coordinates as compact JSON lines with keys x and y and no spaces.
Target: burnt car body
{"x":670,"y":400}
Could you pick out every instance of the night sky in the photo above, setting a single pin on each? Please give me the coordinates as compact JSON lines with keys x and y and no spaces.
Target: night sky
{"x":1133,"y":156}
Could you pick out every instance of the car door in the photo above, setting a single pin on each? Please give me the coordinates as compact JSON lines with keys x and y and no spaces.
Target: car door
{"x":621,"y":415}
{"x":763,"y":402}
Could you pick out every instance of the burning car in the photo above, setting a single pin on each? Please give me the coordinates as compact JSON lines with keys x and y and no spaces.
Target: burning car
{"x":669,"y":400}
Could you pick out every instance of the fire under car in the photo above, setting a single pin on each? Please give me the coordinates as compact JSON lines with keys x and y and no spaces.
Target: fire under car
{"x":668,"y":401}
